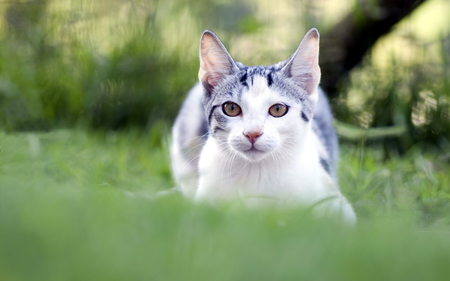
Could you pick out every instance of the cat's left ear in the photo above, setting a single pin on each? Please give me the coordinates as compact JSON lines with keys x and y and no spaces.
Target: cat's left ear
{"x":215,"y":62}
{"x":303,"y":65}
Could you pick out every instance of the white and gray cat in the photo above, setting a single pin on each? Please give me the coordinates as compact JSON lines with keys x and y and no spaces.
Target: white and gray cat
{"x":258,"y":133}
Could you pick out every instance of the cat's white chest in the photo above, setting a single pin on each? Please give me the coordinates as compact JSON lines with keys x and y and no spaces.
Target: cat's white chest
{"x":299,"y":180}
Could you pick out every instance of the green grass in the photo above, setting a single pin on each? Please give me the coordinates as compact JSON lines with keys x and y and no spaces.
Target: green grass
{"x":79,"y":205}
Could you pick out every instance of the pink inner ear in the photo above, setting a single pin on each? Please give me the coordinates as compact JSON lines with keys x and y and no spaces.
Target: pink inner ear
{"x":308,"y":80}
{"x":304,"y":68}
{"x":215,"y":61}
{"x":215,"y":69}
{"x":212,"y":79}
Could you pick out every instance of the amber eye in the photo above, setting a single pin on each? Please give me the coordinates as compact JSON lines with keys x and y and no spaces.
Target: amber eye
{"x":231,"y":109}
{"x":278,"y":110}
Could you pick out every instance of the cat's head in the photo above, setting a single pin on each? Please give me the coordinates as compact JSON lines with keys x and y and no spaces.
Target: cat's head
{"x":256,"y":111}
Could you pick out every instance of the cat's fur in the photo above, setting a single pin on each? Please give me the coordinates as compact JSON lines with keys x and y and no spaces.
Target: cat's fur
{"x":255,"y":156}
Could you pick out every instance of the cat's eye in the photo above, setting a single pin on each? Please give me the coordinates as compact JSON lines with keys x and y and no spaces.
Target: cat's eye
{"x":278,"y":110}
{"x":231,"y":109}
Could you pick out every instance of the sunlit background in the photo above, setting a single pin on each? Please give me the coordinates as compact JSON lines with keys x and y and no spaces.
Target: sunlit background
{"x":116,"y":64}
{"x":88,"y":93}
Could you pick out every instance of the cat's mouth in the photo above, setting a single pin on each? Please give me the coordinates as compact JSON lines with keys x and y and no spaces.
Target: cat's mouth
{"x":253,"y":149}
{"x":254,"y":154}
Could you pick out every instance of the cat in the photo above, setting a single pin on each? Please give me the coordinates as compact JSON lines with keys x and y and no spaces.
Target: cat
{"x":258,"y":133}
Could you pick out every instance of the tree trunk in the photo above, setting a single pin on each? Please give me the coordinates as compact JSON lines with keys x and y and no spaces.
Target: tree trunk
{"x":345,"y":45}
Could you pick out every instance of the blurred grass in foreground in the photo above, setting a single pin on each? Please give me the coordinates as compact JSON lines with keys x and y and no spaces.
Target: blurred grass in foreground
{"x":77,"y":205}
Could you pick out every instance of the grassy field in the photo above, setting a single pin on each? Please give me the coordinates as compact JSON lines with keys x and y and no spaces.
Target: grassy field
{"x":80,"y":205}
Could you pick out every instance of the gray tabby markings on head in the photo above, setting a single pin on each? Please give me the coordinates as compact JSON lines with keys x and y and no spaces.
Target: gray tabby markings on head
{"x":297,"y":77}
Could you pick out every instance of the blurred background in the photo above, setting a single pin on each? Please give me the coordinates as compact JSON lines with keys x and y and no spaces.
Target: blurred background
{"x":89,"y":90}
{"x":120,"y":64}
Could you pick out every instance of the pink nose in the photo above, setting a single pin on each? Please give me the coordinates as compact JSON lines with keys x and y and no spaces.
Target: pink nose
{"x":252,"y":136}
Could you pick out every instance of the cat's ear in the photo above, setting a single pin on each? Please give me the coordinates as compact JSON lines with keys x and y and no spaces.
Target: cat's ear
{"x":303,"y":65}
{"x":215,"y":62}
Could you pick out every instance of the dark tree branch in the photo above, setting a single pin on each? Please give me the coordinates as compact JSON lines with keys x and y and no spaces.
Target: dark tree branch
{"x":345,"y":45}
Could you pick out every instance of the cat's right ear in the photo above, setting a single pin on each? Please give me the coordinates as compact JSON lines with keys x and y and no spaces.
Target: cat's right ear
{"x":215,"y":62}
{"x":303,"y":66}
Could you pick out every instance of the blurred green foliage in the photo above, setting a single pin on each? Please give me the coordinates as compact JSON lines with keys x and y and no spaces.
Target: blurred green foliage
{"x":413,"y":93}
{"x":44,"y":84}
{"x":130,"y":64}
{"x":77,"y":204}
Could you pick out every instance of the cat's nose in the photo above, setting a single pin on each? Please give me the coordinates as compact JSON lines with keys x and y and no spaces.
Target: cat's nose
{"x":252,"y":136}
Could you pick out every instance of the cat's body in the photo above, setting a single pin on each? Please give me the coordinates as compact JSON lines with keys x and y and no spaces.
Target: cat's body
{"x":262,"y":134}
